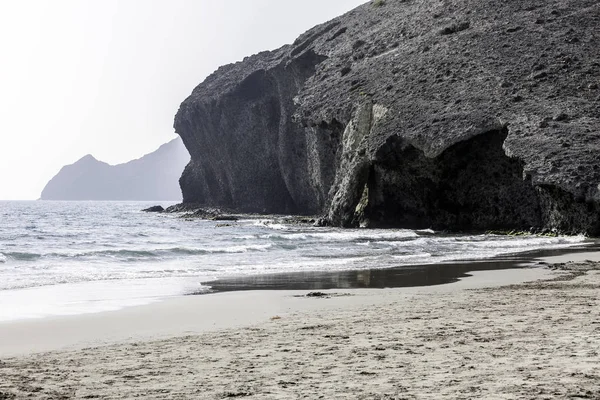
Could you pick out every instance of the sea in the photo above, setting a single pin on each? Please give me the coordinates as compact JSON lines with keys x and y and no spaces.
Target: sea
{"x":69,"y":258}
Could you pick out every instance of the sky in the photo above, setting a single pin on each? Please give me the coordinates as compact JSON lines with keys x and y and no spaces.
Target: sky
{"x":106,"y":77}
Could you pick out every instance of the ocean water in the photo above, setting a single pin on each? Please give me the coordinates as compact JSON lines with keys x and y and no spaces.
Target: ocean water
{"x":64,"y":258}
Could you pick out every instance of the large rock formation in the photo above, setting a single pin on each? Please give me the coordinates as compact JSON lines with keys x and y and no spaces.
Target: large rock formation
{"x":152,"y":177}
{"x":453,"y":114}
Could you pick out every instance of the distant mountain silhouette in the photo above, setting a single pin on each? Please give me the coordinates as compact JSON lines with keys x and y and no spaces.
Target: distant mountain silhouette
{"x":155,"y":176}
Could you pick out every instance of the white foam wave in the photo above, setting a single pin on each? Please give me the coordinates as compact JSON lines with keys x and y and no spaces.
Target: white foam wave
{"x":242,"y":249}
{"x":265,"y":223}
{"x":415,"y":243}
{"x":411,"y":257}
{"x":481,"y":250}
{"x":351,"y":235}
{"x":2,"y":258}
{"x":337,"y":264}
{"x":431,"y":231}
{"x":533,"y":242}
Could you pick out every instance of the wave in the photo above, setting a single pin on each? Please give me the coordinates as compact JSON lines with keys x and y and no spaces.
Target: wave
{"x":189,"y":251}
{"x":218,"y":250}
{"x":18,"y":256}
{"x":336,"y":241}
{"x":135,"y":254}
{"x":411,"y":256}
{"x":345,"y":236}
{"x":270,"y":224}
{"x":536,"y":240}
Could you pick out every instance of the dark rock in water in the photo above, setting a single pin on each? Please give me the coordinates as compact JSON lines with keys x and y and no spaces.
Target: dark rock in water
{"x":317,"y":294}
{"x":225,"y":218}
{"x":202,"y":213}
{"x":152,"y":177}
{"x":155,"y":209}
{"x":183,"y":207}
{"x":459,"y":115}
{"x":299,"y":220}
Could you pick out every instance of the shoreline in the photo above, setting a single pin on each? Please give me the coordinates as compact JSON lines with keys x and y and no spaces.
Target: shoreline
{"x":397,"y":277}
{"x":241,"y":304}
{"x":191,"y":315}
{"x":490,"y":336}
{"x":83,"y":298}
{"x":506,"y":334}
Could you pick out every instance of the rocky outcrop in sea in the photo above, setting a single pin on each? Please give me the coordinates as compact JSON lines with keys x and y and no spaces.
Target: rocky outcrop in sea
{"x":449,"y":114}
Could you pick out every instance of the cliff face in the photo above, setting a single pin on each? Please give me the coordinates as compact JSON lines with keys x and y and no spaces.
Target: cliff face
{"x":152,"y":177}
{"x":454,"y":114}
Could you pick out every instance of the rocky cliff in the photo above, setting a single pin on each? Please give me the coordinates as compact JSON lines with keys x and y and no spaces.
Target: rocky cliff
{"x":152,"y":177}
{"x":451,"y":114}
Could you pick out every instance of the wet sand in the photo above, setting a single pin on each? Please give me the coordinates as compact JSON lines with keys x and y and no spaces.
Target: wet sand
{"x":491,"y":336}
{"x":187,"y":315}
{"x":400,"y":277}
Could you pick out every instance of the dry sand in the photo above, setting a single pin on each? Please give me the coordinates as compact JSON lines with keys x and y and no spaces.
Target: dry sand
{"x":537,"y":340}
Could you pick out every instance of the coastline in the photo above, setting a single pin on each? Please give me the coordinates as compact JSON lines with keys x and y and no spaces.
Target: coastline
{"x":505,"y":334}
{"x":192,"y":315}
{"x":239,"y":302}
{"x":98,"y":296}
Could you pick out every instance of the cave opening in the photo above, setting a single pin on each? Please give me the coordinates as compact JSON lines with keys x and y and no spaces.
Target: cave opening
{"x":473,"y":185}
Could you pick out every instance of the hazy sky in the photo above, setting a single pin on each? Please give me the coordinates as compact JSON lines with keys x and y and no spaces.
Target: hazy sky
{"x":106,"y":77}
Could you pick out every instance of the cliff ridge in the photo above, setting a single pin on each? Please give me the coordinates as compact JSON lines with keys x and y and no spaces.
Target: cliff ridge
{"x":459,"y":115}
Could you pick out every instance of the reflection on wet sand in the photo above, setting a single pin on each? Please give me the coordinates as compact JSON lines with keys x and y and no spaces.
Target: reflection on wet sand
{"x":405,"y":276}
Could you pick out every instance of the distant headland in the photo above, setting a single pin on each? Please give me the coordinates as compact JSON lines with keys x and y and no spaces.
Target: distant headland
{"x":155,"y":176}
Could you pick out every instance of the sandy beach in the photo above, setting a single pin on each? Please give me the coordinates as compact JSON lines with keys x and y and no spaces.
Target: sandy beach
{"x":513,"y":334}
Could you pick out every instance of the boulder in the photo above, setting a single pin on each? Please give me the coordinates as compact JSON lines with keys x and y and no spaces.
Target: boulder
{"x":154,"y":209}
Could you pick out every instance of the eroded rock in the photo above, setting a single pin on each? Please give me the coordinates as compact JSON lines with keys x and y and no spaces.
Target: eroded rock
{"x":459,"y":115}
